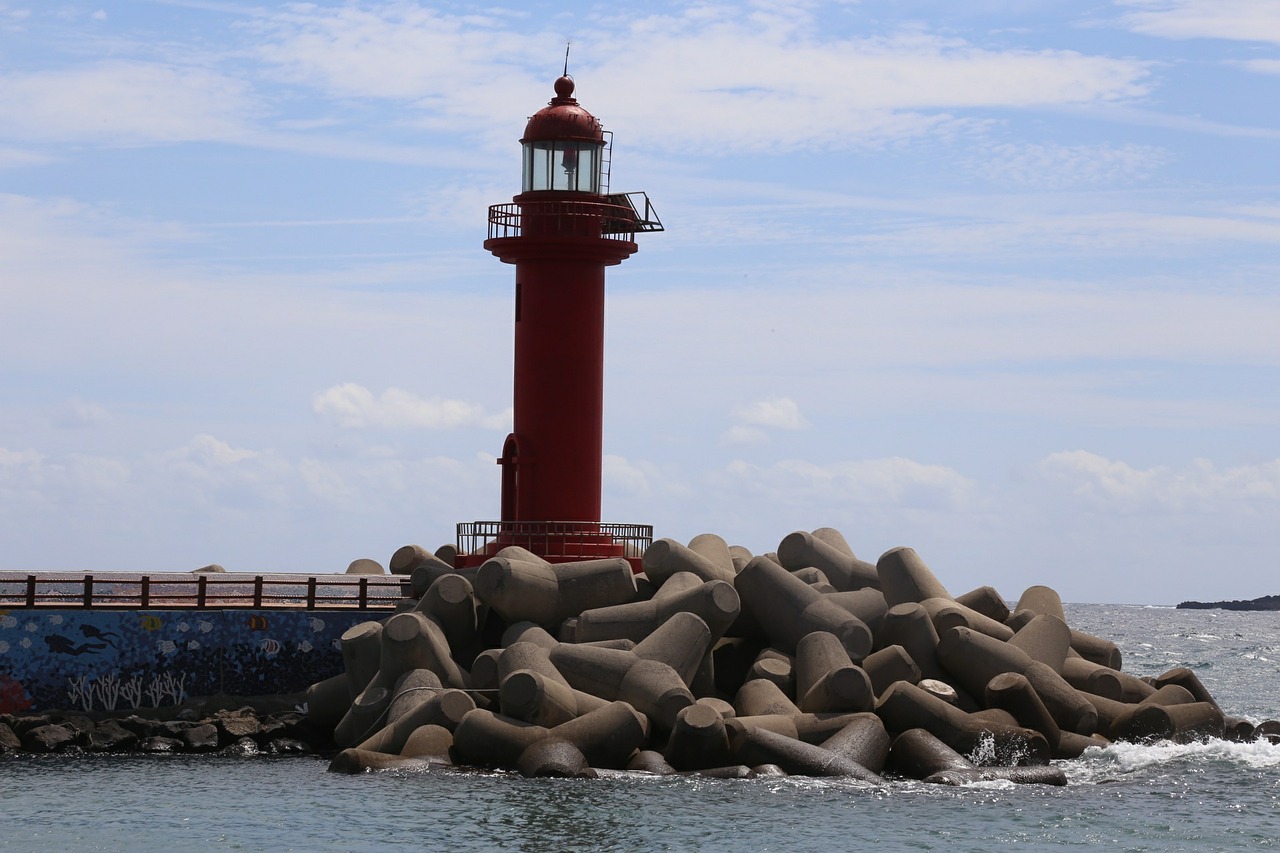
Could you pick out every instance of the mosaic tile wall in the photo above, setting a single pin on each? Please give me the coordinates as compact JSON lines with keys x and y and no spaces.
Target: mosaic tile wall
{"x":118,"y":660}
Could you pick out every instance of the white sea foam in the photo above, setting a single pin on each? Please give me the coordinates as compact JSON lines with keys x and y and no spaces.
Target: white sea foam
{"x":1124,"y":758}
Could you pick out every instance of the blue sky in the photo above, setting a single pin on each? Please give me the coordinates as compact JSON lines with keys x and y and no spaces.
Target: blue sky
{"x":996,"y":280}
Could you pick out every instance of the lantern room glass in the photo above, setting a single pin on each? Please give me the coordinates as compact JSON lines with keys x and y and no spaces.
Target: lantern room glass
{"x":562,"y":165}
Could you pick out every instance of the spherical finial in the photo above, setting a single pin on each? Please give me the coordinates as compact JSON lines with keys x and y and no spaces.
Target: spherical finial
{"x":564,"y":86}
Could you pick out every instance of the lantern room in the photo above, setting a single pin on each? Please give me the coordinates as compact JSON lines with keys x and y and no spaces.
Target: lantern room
{"x":563,"y":146}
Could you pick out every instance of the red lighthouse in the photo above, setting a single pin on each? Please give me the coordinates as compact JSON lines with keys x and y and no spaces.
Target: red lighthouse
{"x":560,"y":232}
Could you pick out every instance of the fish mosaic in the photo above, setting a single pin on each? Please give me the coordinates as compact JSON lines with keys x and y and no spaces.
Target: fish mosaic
{"x":119,"y":659}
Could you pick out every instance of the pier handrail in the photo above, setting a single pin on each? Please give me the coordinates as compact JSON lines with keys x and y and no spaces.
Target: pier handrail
{"x":181,"y":591}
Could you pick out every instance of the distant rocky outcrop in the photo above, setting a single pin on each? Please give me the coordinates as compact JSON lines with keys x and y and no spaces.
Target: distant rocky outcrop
{"x":1266,"y":602}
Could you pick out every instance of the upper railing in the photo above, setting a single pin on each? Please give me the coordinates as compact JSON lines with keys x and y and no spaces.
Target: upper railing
{"x":199,"y":592}
{"x":621,"y":217}
{"x":562,"y":219}
{"x":557,"y":541}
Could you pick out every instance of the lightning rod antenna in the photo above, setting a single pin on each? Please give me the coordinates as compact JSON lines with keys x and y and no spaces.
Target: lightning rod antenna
{"x":566,"y":58}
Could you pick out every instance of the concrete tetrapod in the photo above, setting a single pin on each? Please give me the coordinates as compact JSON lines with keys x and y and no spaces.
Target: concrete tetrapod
{"x":1044,"y":638}
{"x":699,"y":740}
{"x":450,"y":602}
{"x":666,"y":557}
{"x":905,"y":706}
{"x":715,"y":602}
{"x":987,"y":600}
{"x":787,"y":609}
{"x":444,"y":709}
{"x":888,"y":665}
{"x":757,"y":746}
{"x":826,"y":679}
{"x":867,"y":604}
{"x":761,"y":697}
{"x":408,"y":641}
{"x":652,"y":687}
{"x":533,"y":690}
{"x":908,"y":625}
{"x":863,"y":740}
{"x":904,"y":578}
{"x":844,"y":571}
{"x":1010,"y":691}
{"x":918,"y":754}
{"x":520,"y":590}
{"x":947,"y":613}
{"x":712,"y":547}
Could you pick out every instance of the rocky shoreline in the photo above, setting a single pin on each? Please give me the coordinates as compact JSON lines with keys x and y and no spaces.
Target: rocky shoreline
{"x":209,"y":727}
{"x":1266,"y":602}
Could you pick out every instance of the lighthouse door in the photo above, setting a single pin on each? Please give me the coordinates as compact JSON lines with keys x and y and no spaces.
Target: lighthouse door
{"x":510,"y":478}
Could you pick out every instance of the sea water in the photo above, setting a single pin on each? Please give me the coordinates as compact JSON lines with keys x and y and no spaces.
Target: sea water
{"x":1206,"y":796}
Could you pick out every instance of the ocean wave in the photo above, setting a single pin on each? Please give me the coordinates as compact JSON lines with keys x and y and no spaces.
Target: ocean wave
{"x":1097,"y":764}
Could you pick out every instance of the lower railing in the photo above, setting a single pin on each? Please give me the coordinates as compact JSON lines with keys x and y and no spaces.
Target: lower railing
{"x":198,"y":592}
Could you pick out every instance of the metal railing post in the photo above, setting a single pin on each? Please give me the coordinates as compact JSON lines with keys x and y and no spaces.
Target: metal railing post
{"x":146,"y":590}
{"x":202,"y":587}
{"x":88,"y":590}
{"x":311,"y":593}
{"x":31,"y":590}
{"x":257,"y":591}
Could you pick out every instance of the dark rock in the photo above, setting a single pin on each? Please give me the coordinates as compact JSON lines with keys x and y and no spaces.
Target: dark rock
{"x":173,"y":728}
{"x":159,"y":744}
{"x":111,"y":736}
{"x":9,"y":742}
{"x":245,"y":747}
{"x":287,"y":746}
{"x":48,"y":738}
{"x":140,"y":726}
{"x":234,"y":726}
{"x":23,"y":724}
{"x":1266,"y":602}
{"x":201,"y":737}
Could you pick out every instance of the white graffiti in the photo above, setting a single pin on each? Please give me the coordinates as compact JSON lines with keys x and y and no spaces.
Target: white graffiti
{"x":317,"y":625}
{"x":193,"y":644}
{"x":166,"y":647}
{"x":167,"y":686}
{"x":25,"y":642}
{"x":7,"y":622}
{"x":109,"y":692}
{"x":4,"y":647}
{"x":305,"y":647}
{"x":55,"y":619}
{"x":204,"y":627}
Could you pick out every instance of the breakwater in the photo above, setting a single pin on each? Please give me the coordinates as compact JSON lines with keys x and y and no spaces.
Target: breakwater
{"x":805,"y":661}
{"x":123,"y":642}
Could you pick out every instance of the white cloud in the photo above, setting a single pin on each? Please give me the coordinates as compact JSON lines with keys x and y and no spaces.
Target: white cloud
{"x":1240,"y":20}
{"x":741,"y":434}
{"x":16,"y":158}
{"x":754,"y":418}
{"x":354,"y":406}
{"x":802,"y":88}
{"x":125,"y":101}
{"x":1054,"y":166}
{"x":775,"y":412}
{"x":76,"y":413}
{"x":1110,"y":485}
{"x":872,"y":482}
{"x":1263,"y":66}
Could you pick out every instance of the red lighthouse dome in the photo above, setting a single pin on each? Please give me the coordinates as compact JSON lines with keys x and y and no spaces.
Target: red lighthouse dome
{"x":563,"y":119}
{"x":563,"y":146}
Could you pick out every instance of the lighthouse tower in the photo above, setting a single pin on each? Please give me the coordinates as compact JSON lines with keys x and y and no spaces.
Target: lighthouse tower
{"x":560,"y":233}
